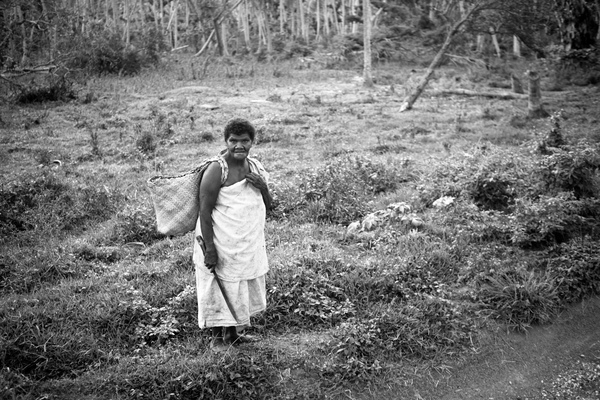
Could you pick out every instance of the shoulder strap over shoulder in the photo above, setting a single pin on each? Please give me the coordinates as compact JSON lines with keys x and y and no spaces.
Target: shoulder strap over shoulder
{"x":256,"y":166}
{"x":224,"y":168}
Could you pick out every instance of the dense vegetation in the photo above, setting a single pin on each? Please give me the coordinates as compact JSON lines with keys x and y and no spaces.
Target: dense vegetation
{"x":381,"y":256}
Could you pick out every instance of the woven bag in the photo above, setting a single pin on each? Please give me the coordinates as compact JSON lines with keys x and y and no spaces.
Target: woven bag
{"x":176,"y":200}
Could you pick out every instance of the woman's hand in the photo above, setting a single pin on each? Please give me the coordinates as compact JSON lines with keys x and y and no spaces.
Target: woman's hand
{"x":257,"y":181}
{"x":210,"y":259}
{"x":261,"y":184}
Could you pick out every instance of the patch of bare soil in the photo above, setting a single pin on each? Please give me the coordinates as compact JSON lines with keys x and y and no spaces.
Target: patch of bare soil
{"x":557,"y":361}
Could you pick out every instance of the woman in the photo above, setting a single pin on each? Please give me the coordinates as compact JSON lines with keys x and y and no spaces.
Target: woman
{"x":230,"y":245}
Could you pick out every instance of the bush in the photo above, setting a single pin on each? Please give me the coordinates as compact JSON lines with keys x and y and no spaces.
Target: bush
{"x":47,"y":203}
{"x":135,"y":225}
{"x":61,"y":332}
{"x":418,"y":329}
{"x":103,"y":52}
{"x":518,"y":297}
{"x":572,"y":168}
{"x":25,"y":268}
{"x":490,"y":177}
{"x":550,"y":219}
{"x":341,"y":191}
{"x":53,"y":88}
{"x":247,"y":374}
{"x":576,"y":269}
{"x":304,"y":298}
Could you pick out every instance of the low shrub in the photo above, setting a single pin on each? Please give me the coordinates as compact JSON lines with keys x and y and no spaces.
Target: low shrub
{"x":245,"y":374}
{"x":304,"y":298}
{"x":340,"y":191}
{"x":24,"y":268}
{"x":39,"y":338}
{"x":518,"y":297}
{"x":134,"y":224}
{"x":103,"y":52}
{"x":490,"y":177}
{"x":53,"y":88}
{"x":48,"y":203}
{"x":571,"y":168}
{"x":550,"y":219}
{"x":419,"y":329}
{"x":575,"y":267}
{"x":158,"y":324}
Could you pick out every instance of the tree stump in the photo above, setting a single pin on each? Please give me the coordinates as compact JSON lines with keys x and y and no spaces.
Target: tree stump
{"x":517,"y":87}
{"x":534,"y":106}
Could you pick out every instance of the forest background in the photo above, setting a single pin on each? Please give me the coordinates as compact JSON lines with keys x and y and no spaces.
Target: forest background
{"x":416,"y":252}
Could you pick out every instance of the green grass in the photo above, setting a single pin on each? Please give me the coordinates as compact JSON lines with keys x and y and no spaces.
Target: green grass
{"x":95,"y":304}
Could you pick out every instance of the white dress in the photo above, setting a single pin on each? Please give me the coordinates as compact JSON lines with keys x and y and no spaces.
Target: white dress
{"x":239,"y":225}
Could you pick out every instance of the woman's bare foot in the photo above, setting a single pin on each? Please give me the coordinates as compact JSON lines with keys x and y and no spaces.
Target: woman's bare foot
{"x":231,"y":337}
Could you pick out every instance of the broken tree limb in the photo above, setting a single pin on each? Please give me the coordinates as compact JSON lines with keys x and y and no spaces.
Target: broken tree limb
{"x":416,"y":92}
{"x":216,"y":22}
{"x":199,"y":53}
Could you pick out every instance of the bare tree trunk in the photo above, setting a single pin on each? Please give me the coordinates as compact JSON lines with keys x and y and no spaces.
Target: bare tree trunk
{"x":334,"y":16}
{"x":162,"y":17}
{"x":293,"y":15}
{"x":24,"y":44}
{"x":516,"y":46}
{"x":495,"y":42}
{"x":318,"y":19}
{"x":303,"y":22}
{"x":154,"y":13}
{"x":343,"y":27}
{"x":51,"y":31}
{"x":217,"y":30}
{"x":432,"y":10}
{"x":262,"y":20}
{"x":246,"y":25}
{"x":126,"y":31}
{"x":535,"y":108}
{"x":327,"y":30}
{"x":224,"y":35}
{"x":367,"y":76}
{"x":282,"y":17}
{"x":354,"y":5}
{"x":116,"y":14}
{"x":480,"y":43}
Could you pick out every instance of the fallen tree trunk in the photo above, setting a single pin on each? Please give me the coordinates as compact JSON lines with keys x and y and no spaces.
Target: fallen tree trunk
{"x":494,"y":95}
{"x":465,"y":92}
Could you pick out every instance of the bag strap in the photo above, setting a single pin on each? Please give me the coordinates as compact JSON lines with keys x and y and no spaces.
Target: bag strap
{"x":224,"y":168}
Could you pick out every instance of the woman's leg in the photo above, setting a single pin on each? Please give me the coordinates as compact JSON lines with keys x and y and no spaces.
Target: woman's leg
{"x":217,"y":336}
{"x":230,"y":334}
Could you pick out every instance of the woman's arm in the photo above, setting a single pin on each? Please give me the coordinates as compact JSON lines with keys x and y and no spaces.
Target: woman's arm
{"x":209,"y":191}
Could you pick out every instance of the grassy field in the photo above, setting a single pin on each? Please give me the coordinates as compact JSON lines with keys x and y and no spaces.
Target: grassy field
{"x":401,"y":245}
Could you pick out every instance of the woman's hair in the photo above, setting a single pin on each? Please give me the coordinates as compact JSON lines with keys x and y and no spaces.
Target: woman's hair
{"x":239,"y":126}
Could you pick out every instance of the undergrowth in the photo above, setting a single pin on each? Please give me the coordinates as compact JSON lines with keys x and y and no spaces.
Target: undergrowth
{"x":96,"y":302}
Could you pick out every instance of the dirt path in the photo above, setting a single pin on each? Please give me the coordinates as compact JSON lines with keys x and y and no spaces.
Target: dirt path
{"x":542,"y":364}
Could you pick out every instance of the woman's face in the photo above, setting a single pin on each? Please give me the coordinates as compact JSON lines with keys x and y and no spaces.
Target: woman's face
{"x":239,"y":146}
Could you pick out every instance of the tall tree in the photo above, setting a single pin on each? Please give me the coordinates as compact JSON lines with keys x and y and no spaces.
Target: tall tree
{"x":367,"y":73}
